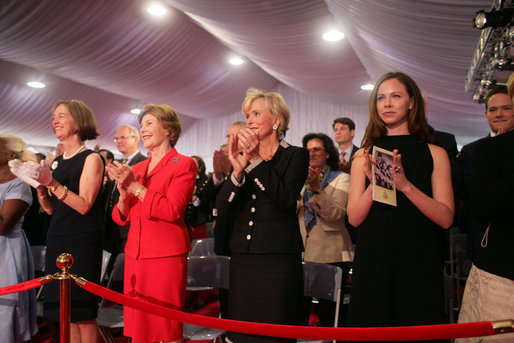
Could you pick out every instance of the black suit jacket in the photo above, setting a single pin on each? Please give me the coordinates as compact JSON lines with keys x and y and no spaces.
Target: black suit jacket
{"x":112,"y":238}
{"x":492,"y":203}
{"x":223,"y":224}
{"x":466,"y":164}
{"x":354,"y":150}
{"x":139,"y":157}
{"x":264,"y":206}
{"x":466,"y":221}
{"x":447,"y":141}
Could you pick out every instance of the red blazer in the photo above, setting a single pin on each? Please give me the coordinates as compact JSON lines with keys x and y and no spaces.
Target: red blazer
{"x":157,"y":226}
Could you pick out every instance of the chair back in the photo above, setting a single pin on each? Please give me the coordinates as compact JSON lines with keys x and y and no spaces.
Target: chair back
{"x":322,"y":280}
{"x":106,"y":257}
{"x":116,"y":277}
{"x":208,"y":271}
{"x":202,"y":247}
{"x":118,"y":269}
{"x":38,"y":254}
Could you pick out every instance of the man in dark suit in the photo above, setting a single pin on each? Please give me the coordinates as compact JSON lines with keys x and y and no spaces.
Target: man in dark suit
{"x":127,"y":141}
{"x":499,"y":115}
{"x":344,"y":131}
{"x":222,"y":225}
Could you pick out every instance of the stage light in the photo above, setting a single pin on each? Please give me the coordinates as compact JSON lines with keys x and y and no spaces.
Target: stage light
{"x":488,"y":83}
{"x":333,"y":36}
{"x":367,"y":87}
{"x":157,"y":10}
{"x":36,"y":84}
{"x":496,"y":18}
{"x":236,"y":60}
{"x":135,"y":111}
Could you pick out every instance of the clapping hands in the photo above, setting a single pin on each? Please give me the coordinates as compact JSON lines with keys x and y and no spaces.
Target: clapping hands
{"x":31,"y":172}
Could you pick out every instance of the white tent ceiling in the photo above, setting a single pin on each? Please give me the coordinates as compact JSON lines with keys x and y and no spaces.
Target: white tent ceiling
{"x":113,"y":56}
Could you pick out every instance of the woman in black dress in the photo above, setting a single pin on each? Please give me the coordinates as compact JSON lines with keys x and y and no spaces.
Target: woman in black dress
{"x":69,"y":193}
{"x":266,"y":276}
{"x":398,"y":266}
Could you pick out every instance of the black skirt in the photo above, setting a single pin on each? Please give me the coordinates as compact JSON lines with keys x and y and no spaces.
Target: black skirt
{"x":86,"y":250}
{"x":265,"y":288}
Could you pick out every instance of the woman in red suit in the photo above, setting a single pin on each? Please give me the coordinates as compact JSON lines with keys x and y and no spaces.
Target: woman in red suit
{"x":153,"y":197}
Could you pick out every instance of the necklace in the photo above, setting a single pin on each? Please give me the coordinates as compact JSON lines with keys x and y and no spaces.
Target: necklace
{"x":76,"y":152}
{"x":322,"y":173}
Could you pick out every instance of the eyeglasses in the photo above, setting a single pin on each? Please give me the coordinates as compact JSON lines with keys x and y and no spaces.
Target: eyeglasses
{"x":121,"y":138}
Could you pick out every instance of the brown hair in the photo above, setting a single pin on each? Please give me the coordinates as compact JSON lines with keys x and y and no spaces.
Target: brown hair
{"x":494,"y":91}
{"x":416,"y":118}
{"x":83,"y":116}
{"x":345,"y":121}
{"x":167,"y":117}
{"x":275,"y":103}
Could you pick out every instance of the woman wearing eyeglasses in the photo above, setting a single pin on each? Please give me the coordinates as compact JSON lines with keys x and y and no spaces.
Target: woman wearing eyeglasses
{"x":321,"y":213}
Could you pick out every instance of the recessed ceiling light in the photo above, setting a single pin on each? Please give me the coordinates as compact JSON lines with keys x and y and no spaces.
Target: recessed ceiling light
{"x":367,"y":87}
{"x":36,"y":84}
{"x":157,"y":10}
{"x":236,"y":60}
{"x":135,"y":111}
{"x":333,"y":36}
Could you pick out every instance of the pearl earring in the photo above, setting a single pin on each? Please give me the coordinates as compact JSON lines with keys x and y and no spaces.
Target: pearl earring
{"x":275,"y":127}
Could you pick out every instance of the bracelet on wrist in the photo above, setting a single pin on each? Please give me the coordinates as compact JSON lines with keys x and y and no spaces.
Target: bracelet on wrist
{"x":53,"y":187}
{"x":64,"y":194}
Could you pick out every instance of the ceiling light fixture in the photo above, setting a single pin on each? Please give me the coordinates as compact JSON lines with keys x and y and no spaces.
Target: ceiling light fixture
{"x":36,"y":84}
{"x":157,"y":10}
{"x":367,"y":87}
{"x":236,"y":60}
{"x":333,"y":35}
{"x":135,"y":111}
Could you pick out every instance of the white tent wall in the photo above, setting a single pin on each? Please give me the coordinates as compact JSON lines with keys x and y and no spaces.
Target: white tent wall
{"x":307,"y":115}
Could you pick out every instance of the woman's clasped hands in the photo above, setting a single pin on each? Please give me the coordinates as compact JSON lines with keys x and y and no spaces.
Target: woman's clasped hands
{"x":122,"y":174}
{"x":243,"y":148}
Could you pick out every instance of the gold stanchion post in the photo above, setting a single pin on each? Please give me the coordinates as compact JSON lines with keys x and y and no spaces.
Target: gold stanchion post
{"x":64,"y":262}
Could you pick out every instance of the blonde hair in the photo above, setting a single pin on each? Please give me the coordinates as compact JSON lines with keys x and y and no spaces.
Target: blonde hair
{"x":167,"y":117}
{"x":275,"y":103}
{"x":14,"y":144}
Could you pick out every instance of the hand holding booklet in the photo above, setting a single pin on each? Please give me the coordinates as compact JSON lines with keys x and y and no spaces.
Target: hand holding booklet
{"x":384,"y":189}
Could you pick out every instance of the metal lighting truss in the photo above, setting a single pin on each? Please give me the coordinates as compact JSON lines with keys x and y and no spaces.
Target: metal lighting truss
{"x":492,"y":61}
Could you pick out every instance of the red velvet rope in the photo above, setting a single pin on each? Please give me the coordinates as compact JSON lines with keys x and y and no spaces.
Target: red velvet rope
{"x":24,"y":286}
{"x":426,"y":332}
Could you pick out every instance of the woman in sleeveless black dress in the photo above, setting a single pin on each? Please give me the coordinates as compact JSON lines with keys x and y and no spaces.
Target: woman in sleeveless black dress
{"x":398,"y":266}
{"x":69,"y":192}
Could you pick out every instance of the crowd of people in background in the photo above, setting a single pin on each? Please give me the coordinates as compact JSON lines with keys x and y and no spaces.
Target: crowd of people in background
{"x":269,"y":206}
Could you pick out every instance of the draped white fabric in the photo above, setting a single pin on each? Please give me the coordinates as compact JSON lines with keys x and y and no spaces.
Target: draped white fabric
{"x":114,"y":57}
